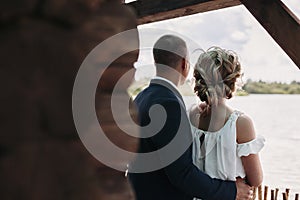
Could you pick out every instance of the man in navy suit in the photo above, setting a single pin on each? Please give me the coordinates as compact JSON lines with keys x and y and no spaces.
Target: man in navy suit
{"x":164,"y":169}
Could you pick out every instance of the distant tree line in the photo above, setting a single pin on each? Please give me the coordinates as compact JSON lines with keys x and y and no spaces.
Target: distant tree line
{"x":262,"y":87}
{"x":250,"y":87}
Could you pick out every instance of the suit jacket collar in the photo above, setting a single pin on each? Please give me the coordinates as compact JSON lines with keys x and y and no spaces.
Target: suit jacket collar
{"x":162,"y":82}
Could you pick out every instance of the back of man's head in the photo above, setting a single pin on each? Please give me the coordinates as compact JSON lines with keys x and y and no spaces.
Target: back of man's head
{"x":169,"y":50}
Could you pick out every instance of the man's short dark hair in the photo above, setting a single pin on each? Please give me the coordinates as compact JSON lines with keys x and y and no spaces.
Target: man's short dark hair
{"x":169,"y":50}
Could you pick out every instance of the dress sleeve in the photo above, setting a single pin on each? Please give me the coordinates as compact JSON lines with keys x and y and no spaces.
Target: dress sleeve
{"x":251,"y":147}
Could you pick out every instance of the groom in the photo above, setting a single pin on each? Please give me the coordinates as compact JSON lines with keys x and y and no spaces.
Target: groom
{"x":176,"y":179}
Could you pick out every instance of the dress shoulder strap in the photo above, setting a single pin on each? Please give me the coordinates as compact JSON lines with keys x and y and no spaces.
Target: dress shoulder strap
{"x":231,"y":123}
{"x":235,"y":115}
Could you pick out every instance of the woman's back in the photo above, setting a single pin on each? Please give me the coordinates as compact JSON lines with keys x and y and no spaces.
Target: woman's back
{"x":214,"y":151}
{"x":215,"y":148}
{"x":215,"y":120}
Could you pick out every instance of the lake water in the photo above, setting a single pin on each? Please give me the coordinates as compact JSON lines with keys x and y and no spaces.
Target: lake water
{"x":277,"y":118}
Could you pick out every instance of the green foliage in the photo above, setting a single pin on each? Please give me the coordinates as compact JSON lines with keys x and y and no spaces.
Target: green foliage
{"x":251,"y":87}
{"x":241,"y":93}
{"x":262,"y":87}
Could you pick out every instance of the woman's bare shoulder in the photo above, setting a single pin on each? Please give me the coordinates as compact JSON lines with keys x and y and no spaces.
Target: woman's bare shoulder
{"x":245,"y":129}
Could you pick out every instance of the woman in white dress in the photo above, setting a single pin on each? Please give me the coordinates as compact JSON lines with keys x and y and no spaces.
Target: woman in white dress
{"x":225,"y":145}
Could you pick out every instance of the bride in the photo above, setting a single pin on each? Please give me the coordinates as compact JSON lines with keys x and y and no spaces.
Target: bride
{"x":225,"y":145}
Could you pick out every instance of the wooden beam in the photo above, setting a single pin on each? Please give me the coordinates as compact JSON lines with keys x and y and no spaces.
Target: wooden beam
{"x":280,"y":23}
{"x":157,"y":10}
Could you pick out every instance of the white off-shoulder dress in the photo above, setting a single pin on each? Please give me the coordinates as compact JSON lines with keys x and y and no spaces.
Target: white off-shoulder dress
{"x":219,"y":156}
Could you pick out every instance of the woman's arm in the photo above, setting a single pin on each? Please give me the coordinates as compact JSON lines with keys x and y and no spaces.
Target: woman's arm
{"x":251,"y":163}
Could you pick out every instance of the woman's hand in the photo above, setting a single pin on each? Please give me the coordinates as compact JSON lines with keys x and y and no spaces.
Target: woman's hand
{"x":194,"y":114}
{"x":204,"y":109}
{"x":202,"y":106}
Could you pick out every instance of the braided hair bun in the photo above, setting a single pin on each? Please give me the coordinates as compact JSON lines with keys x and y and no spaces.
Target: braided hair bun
{"x":216,"y":72}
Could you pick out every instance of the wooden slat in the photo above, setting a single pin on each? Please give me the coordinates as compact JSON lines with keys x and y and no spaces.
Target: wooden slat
{"x":276,"y":193}
{"x":266,"y":193}
{"x":280,"y":23}
{"x":260,"y":192}
{"x":297,"y":196}
{"x":157,"y":10}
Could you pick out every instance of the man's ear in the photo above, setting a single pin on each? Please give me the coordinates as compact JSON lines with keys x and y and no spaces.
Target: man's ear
{"x":183,"y":64}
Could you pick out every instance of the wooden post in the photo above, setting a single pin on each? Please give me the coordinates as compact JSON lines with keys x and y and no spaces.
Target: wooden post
{"x":280,"y":22}
{"x":276,"y":193}
{"x":272,"y":195}
{"x":297,"y":196}
{"x":284,"y":196}
{"x":260,"y":192}
{"x":287,"y":191}
{"x":254,"y":193}
{"x":266,"y":193}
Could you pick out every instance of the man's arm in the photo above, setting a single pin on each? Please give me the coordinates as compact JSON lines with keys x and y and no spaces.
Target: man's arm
{"x":182,"y":173}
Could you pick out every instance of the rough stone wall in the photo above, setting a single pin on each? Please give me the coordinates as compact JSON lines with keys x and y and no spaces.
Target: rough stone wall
{"x":42,"y":44}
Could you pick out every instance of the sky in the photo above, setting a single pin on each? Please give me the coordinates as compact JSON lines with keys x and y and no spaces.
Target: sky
{"x":231,"y":28}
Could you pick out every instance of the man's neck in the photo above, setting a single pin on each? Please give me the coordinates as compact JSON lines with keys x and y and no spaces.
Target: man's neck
{"x":173,"y":79}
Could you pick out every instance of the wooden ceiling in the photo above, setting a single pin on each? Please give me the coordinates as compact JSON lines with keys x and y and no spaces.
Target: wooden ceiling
{"x":273,"y":15}
{"x":156,"y":10}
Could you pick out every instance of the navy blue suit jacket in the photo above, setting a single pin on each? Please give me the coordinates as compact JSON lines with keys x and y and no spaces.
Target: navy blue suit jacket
{"x":180,"y":180}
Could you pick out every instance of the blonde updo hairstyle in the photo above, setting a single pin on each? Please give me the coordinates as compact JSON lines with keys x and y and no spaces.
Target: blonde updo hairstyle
{"x":216,"y":73}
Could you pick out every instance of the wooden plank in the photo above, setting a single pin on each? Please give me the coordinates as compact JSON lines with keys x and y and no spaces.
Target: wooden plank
{"x":157,"y":10}
{"x":280,"y":23}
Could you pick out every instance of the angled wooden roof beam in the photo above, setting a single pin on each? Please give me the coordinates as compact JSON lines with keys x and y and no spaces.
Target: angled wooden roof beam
{"x":280,"y":23}
{"x":157,"y":10}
